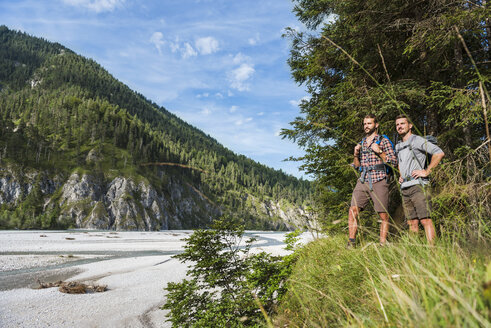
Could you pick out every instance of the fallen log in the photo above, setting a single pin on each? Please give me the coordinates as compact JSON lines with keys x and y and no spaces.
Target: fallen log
{"x":73,"y":287}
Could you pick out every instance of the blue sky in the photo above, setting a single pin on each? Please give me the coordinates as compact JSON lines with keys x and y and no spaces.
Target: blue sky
{"x":220,"y":65}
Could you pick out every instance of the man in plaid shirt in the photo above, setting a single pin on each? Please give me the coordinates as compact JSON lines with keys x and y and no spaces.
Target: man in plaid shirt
{"x":371,"y":156}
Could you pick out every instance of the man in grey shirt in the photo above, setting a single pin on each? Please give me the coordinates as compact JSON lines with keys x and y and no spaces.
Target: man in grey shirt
{"x":411,"y":154}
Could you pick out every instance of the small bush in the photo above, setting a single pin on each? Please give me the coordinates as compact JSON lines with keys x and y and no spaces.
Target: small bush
{"x":227,"y":286}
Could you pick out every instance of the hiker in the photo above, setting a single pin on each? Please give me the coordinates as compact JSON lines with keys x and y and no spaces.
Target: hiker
{"x":372,"y":156}
{"x":411,"y":154}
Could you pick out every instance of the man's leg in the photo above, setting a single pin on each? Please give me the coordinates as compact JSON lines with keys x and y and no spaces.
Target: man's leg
{"x":429,"y":229}
{"x":384,"y":227}
{"x":380,"y":197}
{"x":410,"y":208}
{"x":354,"y":211}
{"x":359,"y":200}
{"x":413,"y":225}
{"x":422,"y":206}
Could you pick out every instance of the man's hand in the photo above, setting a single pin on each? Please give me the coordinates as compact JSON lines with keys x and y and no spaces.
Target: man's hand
{"x":357,"y":150}
{"x":420,"y":173}
{"x":376,"y":148}
{"x":401,"y":179}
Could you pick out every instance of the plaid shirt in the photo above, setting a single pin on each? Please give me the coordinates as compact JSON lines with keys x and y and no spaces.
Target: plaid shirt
{"x":369,"y":158}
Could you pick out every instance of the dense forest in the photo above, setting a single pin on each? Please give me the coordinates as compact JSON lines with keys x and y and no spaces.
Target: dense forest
{"x":57,"y":106}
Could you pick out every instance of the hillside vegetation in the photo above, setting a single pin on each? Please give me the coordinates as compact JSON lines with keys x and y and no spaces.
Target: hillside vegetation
{"x":431,"y":61}
{"x":61,"y":114}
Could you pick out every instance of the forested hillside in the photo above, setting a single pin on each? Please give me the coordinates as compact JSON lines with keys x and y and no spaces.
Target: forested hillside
{"x":63,"y":117}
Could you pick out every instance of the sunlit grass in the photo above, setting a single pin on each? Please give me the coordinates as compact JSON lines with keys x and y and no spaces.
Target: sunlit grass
{"x":406,"y":284}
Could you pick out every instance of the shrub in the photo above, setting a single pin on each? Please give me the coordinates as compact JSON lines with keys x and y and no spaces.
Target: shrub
{"x":227,"y":286}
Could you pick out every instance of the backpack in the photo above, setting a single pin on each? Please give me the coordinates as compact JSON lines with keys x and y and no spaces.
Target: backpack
{"x":389,"y":171}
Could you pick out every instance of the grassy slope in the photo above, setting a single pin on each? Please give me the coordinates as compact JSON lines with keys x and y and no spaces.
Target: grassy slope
{"x":407,"y":284}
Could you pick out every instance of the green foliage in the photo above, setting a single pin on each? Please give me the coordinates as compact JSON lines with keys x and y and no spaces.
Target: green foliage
{"x":390,"y":58}
{"x":227,"y":285}
{"x":406,"y":284}
{"x":57,"y":107}
{"x":461,"y":197}
{"x":386,"y":58}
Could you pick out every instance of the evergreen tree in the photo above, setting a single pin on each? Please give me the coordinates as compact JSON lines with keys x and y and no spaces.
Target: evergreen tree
{"x":386,"y":58}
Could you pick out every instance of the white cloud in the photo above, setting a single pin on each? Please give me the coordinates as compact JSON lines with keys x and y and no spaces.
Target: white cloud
{"x":253,"y":41}
{"x":188,"y":51}
{"x":157,"y":39}
{"x":260,"y":114}
{"x":96,"y":5}
{"x":206,"y":46}
{"x":243,"y":121}
{"x":205,"y":111}
{"x":330,"y":19}
{"x":219,"y":95}
{"x":241,"y":58}
{"x":203,"y":46}
{"x":296,"y":103}
{"x":233,"y":109}
{"x":174,"y":46}
{"x":203,"y":95}
{"x":239,"y":77}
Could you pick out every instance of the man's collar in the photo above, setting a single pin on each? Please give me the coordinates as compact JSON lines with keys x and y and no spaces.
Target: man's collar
{"x":407,"y":136}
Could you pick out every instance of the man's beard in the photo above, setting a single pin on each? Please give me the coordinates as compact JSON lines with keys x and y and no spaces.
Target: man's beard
{"x":370,"y":131}
{"x":403,"y":133}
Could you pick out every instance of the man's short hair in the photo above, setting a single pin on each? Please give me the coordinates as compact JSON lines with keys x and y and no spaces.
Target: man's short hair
{"x":372,"y":116}
{"x":403,"y":116}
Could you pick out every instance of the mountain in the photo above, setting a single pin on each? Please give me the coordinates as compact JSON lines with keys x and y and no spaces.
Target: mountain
{"x":78,"y":148}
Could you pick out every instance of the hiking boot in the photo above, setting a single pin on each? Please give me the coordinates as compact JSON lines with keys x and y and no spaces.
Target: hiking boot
{"x":351,"y":244}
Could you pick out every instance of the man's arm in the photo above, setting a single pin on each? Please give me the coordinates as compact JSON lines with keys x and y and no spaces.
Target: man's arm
{"x":386,"y":153}
{"x":401,"y":179}
{"x":435,"y":160}
{"x":356,"y":156}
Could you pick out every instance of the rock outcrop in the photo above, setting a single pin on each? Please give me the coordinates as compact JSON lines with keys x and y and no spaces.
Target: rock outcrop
{"x":88,"y":201}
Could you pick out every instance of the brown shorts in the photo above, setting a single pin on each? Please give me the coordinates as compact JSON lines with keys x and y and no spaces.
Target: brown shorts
{"x":379,"y":195}
{"x":416,"y":202}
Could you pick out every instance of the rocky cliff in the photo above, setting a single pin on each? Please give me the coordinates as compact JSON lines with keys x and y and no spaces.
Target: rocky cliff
{"x":88,"y":201}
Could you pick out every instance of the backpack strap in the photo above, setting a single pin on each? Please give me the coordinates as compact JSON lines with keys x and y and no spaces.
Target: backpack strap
{"x":388,"y":169}
{"x":420,"y":180}
{"x":412,"y":151}
{"x":365,"y":170}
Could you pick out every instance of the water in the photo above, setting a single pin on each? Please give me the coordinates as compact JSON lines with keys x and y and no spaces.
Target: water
{"x":28,"y":277}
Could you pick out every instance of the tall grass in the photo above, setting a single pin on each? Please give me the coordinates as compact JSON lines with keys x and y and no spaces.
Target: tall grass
{"x":462,"y":196}
{"x":406,"y":284}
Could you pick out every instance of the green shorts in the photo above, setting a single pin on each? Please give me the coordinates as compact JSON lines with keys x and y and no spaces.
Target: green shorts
{"x":416,"y":202}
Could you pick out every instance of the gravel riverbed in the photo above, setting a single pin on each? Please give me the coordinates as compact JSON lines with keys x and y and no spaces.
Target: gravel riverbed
{"x":135,"y":266}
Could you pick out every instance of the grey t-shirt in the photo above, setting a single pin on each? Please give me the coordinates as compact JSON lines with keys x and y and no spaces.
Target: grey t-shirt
{"x":415,"y":159}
